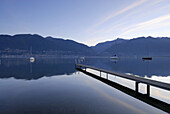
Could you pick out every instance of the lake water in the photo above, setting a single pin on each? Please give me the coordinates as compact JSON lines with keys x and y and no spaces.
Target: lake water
{"x":50,"y":86}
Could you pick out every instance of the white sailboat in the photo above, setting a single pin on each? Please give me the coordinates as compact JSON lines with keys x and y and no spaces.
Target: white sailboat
{"x":32,"y":59}
{"x":114,"y":57}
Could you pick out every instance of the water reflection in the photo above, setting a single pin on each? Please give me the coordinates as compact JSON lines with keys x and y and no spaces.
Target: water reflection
{"x":24,"y":69}
{"x":156,"y":69}
{"x":76,"y":93}
{"x":143,"y":97}
{"x":135,"y":66}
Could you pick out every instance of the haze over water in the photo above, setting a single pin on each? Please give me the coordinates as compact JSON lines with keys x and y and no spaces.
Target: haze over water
{"x":54,"y":86}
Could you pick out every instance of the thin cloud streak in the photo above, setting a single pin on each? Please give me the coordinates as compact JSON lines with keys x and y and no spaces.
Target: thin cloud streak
{"x":131,"y":6}
{"x":151,"y":24}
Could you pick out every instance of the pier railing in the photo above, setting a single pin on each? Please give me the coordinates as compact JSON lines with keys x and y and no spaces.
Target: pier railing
{"x":137,"y":79}
{"x":142,"y":97}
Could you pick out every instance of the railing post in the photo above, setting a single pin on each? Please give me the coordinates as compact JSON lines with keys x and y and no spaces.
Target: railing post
{"x":137,"y":87}
{"x":106,"y":75}
{"x":100,"y":73}
{"x":148,"y":90}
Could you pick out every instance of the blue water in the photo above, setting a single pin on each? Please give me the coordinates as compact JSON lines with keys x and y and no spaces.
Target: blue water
{"x":54,"y":86}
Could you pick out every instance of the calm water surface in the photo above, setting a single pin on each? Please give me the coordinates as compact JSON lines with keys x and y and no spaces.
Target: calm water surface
{"x":53,"y":86}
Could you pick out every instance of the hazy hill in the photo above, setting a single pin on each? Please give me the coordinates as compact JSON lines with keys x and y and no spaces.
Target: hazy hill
{"x":101,"y":47}
{"x":142,"y":46}
{"x":40,"y":44}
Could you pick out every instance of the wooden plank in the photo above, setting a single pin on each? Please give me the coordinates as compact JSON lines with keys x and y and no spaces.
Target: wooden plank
{"x":158,"y":84}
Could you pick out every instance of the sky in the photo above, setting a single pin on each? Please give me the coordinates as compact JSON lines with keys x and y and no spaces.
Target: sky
{"x":86,"y":21}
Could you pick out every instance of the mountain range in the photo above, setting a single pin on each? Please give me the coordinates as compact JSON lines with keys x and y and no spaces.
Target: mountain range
{"x":136,"y":47}
{"x":23,"y":43}
{"x":142,"y":46}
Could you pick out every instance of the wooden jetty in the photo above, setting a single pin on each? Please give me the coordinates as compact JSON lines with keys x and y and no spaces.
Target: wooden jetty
{"x":147,"y":99}
{"x":137,"y":79}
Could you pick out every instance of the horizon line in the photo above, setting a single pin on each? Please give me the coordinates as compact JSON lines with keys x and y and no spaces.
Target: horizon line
{"x":64,"y":38}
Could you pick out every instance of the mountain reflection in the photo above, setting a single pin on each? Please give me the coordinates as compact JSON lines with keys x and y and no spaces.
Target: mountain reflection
{"x":136,"y":66}
{"x":24,"y":69}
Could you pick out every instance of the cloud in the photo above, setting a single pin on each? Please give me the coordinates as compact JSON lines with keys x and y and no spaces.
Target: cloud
{"x":114,"y":14}
{"x":130,"y":21}
{"x":158,"y":22}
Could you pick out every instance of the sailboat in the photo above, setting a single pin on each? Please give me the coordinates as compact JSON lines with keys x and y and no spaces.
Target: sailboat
{"x":32,"y":59}
{"x":115,"y":57}
{"x":147,"y":58}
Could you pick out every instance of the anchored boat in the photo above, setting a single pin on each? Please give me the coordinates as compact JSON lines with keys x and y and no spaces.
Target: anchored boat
{"x":146,"y":58}
{"x":32,"y":59}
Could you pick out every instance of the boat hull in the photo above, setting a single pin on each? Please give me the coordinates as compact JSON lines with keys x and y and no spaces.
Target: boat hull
{"x":147,"y":58}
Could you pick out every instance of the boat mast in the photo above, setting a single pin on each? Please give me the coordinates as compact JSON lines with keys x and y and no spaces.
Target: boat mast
{"x":115,"y":48}
{"x":31,"y":50}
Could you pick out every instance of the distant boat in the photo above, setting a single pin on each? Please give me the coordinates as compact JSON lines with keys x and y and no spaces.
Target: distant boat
{"x":32,"y":59}
{"x":146,"y":58}
{"x":82,"y":59}
{"x":114,"y":57}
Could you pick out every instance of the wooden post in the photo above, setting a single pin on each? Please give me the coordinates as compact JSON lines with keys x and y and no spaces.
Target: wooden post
{"x":148,"y":90}
{"x":129,"y":77}
{"x":106,"y":75}
{"x":137,"y":87}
